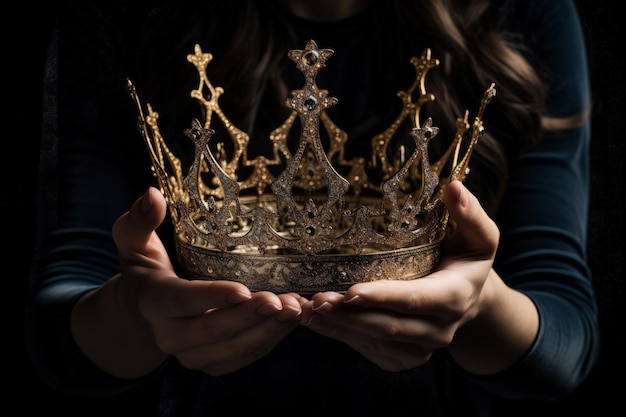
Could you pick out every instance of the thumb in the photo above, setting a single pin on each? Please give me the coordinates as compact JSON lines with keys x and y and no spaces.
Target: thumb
{"x":475,"y":231}
{"x":134,"y":231}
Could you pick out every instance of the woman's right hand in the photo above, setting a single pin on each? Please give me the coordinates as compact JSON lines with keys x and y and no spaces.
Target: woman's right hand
{"x":129,"y":325}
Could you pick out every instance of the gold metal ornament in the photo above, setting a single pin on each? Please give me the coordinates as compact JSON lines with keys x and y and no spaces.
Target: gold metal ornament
{"x":310,"y":228}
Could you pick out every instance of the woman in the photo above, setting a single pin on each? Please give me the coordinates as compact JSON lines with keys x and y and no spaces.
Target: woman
{"x":510,"y":311}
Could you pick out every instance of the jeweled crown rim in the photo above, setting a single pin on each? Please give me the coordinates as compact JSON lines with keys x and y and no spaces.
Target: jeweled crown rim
{"x":306,"y":274}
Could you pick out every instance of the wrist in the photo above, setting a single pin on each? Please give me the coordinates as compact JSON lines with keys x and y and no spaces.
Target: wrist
{"x":503,"y":329}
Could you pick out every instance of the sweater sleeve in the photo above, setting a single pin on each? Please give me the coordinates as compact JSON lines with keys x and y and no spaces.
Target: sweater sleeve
{"x":543,"y":220}
{"x":87,"y":179}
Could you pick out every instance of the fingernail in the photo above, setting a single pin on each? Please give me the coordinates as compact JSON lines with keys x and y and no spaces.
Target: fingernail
{"x":288,"y":313}
{"x":324,"y":306}
{"x":354,"y":300}
{"x":267,"y":309}
{"x":146,"y":202}
{"x":237,"y":297}
{"x":463,"y":197}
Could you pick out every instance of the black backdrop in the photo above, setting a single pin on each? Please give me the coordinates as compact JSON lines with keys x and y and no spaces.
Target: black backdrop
{"x":26,"y":31}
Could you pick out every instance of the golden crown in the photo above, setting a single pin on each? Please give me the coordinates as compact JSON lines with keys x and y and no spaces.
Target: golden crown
{"x":312,"y":228}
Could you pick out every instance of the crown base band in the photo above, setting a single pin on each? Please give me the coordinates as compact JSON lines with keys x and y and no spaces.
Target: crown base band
{"x":306,"y":274}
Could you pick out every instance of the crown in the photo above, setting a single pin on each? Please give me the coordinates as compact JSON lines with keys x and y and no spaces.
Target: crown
{"x":323,"y":223}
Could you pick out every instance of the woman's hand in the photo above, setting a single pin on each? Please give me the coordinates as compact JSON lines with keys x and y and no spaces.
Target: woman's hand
{"x":150,"y":312}
{"x":398,"y":324}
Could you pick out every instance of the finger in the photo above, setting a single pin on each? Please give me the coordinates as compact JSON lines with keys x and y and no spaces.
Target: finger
{"x":227,"y":341}
{"x":291,"y":307}
{"x":391,"y":355}
{"x":246,"y":348}
{"x":475,"y":231}
{"x":433,"y":294}
{"x":299,"y":297}
{"x":144,"y":216}
{"x":173,"y":297}
{"x":309,"y":306}
{"x":133,"y":232}
{"x":382,"y":324}
{"x":216,"y":325}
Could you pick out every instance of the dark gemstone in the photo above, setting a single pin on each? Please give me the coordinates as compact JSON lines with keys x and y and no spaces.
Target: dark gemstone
{"x":310,"y":57}
{"x":310,"y":103}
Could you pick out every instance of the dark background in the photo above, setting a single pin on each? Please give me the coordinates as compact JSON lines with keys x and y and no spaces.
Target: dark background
{"x":26,"y":32}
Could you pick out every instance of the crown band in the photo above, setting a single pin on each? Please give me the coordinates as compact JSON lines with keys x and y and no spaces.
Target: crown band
{"x":307,"y":274}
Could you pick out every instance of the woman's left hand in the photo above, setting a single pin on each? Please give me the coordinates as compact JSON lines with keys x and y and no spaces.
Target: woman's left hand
{"x":398,"y":324}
